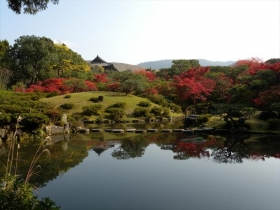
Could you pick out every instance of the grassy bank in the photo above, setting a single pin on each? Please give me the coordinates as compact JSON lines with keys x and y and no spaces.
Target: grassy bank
{"x":109,"y":98}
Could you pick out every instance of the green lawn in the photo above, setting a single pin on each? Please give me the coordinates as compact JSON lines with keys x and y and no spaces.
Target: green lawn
{"x":82,"y":99}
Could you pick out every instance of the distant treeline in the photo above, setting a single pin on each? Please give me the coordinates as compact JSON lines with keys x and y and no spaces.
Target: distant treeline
{"x":167,"y":63}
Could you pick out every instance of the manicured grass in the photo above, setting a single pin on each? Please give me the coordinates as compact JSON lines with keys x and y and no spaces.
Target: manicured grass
{"x":109,"y":98}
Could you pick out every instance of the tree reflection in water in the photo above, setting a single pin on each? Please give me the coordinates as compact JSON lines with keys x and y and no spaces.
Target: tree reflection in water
{"x":131,"y":148}
{"x":68,"y":152}
{"x":233,"y":151}
{"x":192,"y":146}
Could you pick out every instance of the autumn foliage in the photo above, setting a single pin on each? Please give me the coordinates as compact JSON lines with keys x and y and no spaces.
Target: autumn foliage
{"x":61,"y":86}
{"x":150,"y":75}
{"x":192,"y":86}
{"x":248,"y":81}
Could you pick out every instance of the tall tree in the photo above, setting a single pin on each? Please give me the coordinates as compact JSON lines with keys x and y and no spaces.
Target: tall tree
{"x":273,"y":60}
{"x":31,"y":59}
{"x":4,"y":46}
{"x":29,"y":6}
{"x":5,"y":73}
{"x":192,"y":86}
{"x":182,"y":65}
{"x":69,"y":64}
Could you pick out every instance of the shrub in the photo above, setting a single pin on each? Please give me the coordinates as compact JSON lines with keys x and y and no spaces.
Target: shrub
{"x":175,"y":108}
{"x":116,"y":113}
{"x":67,"y":96}
{"x":160,"y":112}
{"x":101,"y":86}
{"x":141,"y":112}
{"x":156,"y":111}
{"x":5,"y":119}
{"x":273,"y":124}
{"x":67,"y":106}
{"x":165,"y":112}
{"x":11,"y":108}
{"x":158,"y":99}
{"x":94,"y":99}
{"x":144,"y":103}
{"x":53,"y":114}
{"x":52,"y":94}
{"x":17,"y":194}
{"x":32,"y":121}
{"x":95,"y":109}
{"x":120,"y":105}
{"x":101,"y":98}
{"x":265,"y":115}
{"x":203,"y":118}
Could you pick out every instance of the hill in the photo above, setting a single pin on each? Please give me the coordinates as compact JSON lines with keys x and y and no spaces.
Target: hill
{"x":124,"y":66}
{"x":83,"y":99}
{"x":167,"y":63}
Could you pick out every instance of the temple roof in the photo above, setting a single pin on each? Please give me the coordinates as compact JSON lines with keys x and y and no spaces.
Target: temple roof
{"x":98,"y":60}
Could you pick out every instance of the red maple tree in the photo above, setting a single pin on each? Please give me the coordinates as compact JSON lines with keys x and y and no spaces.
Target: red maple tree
{"x":192,"y":85}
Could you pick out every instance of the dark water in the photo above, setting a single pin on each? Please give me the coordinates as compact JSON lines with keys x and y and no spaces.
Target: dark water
{"x":157,"y":171}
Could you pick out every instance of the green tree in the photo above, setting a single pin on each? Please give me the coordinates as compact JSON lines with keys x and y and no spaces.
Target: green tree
{"x":4,"y":46}
{"x":129,"y":81}
{"x":5,"y":73}
{"x":273,"y":60}
{"x":120,"y":77}
{"x":76,"y":85}
{"x":29,"y":7}
{"x":31,"y":59}
{"x":131,"y":85}
{"x":69,"y":64}
{"x":182,"y":65}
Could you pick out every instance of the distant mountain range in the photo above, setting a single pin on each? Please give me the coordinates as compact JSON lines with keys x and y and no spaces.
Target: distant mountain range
{"x":167,"y":63}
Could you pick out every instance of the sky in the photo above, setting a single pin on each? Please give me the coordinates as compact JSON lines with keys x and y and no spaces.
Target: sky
{"x":135,"y":31}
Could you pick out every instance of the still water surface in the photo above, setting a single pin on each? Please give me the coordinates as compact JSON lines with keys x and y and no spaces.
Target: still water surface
{"x":148,"y":172}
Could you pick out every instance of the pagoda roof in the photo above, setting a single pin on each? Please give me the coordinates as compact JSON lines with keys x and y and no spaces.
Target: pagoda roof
{"x":98,"y":60}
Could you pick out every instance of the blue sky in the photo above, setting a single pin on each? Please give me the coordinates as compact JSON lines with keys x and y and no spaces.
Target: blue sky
{"x":134,"y":31}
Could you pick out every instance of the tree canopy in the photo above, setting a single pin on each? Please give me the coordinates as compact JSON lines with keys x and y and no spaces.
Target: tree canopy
{"x":29,"y":7}
{"x":32,"y":59}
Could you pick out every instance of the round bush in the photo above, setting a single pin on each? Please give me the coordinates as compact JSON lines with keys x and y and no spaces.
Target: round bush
{"x":144,"y":104}
{"x":67,"y":96}
{"x":156,"y":111}
{"x":94,"y":99}
{"x":116,"y":113}
{"x":52,"y":94}
{"x":273,"y":124}
{"x":95,"y":109}
{"x":175,"y":108}
{"x":67,"y":106}
{"x":120,"y":105}
{"x":141,"y":112}
{"x":265,"y":115}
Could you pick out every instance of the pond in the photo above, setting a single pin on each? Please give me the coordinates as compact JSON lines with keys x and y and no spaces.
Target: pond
{"x":157,"y":171}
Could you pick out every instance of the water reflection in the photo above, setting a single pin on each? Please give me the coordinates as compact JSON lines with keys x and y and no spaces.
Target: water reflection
{"x":236,"y":148}
{"x":131,"y":148}
{"x":68,"y":151}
